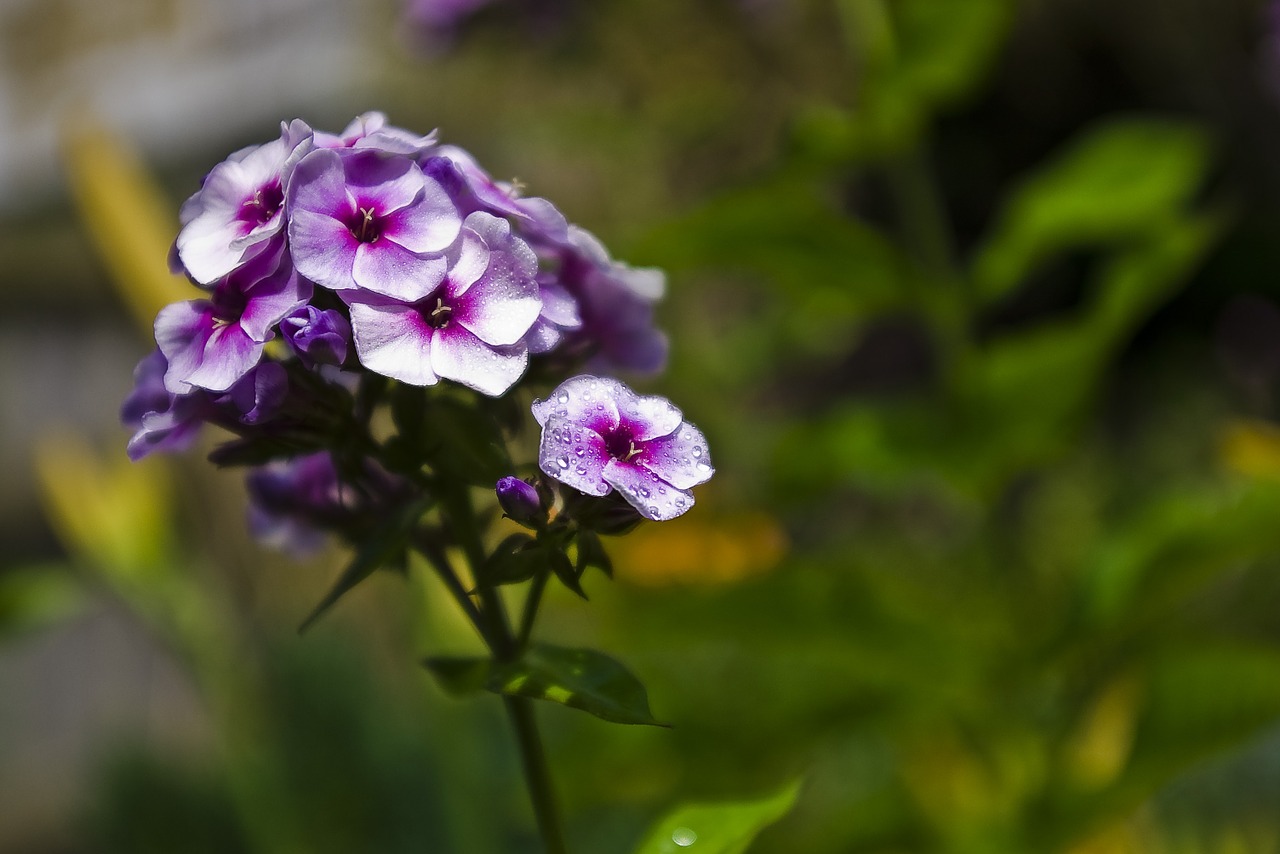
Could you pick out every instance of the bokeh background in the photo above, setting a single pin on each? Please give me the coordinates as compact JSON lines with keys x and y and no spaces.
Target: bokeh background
{"x":976,"y":301}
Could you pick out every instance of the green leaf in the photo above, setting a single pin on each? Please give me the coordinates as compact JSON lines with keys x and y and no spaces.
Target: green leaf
{"x":384,"y":547}
{"x":726,"y":828}
{"x":513,"y":561}
{"x":591,"y":553}
{"x":1124,"y":180}
{"x":581,"y":678}
{"x":564,"y":570}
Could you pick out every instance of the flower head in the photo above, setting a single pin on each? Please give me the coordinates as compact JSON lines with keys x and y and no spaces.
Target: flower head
{"x":598,"y":436}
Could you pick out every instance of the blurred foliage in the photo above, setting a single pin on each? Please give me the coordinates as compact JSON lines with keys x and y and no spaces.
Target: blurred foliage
{"x":985,"y":576}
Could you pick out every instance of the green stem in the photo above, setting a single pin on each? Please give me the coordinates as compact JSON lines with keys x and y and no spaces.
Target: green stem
{"x":531,"y":603}
{"x":536,"y":773}
{"x":496,"y":629}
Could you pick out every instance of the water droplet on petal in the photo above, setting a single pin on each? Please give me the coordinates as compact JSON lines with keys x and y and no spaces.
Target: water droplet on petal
{"x":579,"y":451}
{"x":564,"y":397}
{"x":581,"y":469}
{"x":697,"y":450}
{"x":644,"y":492}
{"x":563,"y":462}
{"x":683,"y":836}
{"x":653,"y":511}
{"x":703,"y":467}
{"x":602,"y":488}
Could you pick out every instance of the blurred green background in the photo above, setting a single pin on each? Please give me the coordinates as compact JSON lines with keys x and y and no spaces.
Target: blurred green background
{"x":976,"y":301}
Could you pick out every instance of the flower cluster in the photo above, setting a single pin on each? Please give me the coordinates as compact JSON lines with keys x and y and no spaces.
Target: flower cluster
{"x":341,"y":273}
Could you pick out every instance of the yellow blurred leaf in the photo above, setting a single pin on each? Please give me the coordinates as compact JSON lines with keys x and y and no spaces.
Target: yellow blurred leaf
{"x":699,"y":550}
{"x":131,"y":222}
{"x":1099,"y":749}
{"x":113,"y":514}
{"x":1252,"y":448}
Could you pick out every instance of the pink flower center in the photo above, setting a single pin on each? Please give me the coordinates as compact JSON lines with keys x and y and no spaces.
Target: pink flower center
{"x":365,"y":225}
{"x":439,"y":316}
{"x":621,"y":445}
{"x":263,"y":205}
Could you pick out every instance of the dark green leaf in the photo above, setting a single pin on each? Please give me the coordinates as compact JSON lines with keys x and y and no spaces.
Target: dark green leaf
{"x":591,"y":553}
{"x":725,"y":828}
{"x":581,"y":678}
{"x":512,"y":562}
{"x":384,"y":547}
{"x":565,"y":571}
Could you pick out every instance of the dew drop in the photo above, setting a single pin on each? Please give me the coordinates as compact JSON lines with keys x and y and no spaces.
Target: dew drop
{"x":653,"y":510}
{"x":564,"y":397}
{"x":644,"y":492}
{"x":581,"y":469}
{"x":679,"y":502}
{"x":563,"y":462}
{"x":602,"y":488}
{"x":579,"y":451}
{"x":703,"y":467}
{"x":697,"y":450}
{"x":683,"y":836}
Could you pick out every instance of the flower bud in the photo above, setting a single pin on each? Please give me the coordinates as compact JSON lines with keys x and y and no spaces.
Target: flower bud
{"x":520,"y":501}
{"x":318,"y":337}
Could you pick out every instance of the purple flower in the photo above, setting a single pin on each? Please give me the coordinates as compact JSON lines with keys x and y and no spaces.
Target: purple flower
{"x":439,"y":18}
{"x":598,"y":436}
{"x":363,"y":219}
{"x":161,"y":421}
{"x":213,"y":343}
{"x":239,"y":207}
{"x":290,"y":501}
{"x":370,"y":130}
{"x":469,"y":329}
{"x":615,"y":303}
{"x":318,"y":337}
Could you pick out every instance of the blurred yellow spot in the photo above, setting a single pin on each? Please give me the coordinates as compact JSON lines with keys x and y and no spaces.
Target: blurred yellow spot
{"x":1099,"y":749}
{"x":114,"y":514}
{"x":699,"y":550}
{"x":131,"y":222}
{"x":1251,"y":448}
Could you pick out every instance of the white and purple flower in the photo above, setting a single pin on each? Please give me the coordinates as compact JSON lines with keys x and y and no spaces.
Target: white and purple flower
{"x":240,"y":206}
{"x":599,"y":436}
{"x":363,"y":219}
{"x":213,"y":343}
{"x":469,"y":329}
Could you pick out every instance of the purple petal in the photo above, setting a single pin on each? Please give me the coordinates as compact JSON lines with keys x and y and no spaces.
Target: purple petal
{"x":648,"y":417}
{"x":653,"y":497}
{"x":583,"y":400}
{"x":503,"y":303}
{"x":182,"y":330}
{"x":574,"y":455}
{"x":468,"y":259}
{"x":393,"y":271}
{"x":430,"y":224}
{"x":558,"y":306}
{"x":458,"y":355}
{"x":204,"y":248}
{"x":323,"y":249}
{"x":387,"y":183}
{"x":228,"y":355}
{"x":393,"y":340}
{"x":319,"y":185}
{"x":272,"y":299}
{"x":681,"y":458}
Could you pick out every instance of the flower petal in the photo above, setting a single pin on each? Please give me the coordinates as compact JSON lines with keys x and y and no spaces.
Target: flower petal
{"x":430,"y":224}
{"x":228,"y":355}
{"x":585,"y":400}
{"x":323,"y":249}
{"x":458,"y":355}
{"x":182,"y":330}
{"x":648,"y":417}
{"x":681,"y":458}
{"x":653,"y":497}
{"x":574,"y":455}
{"x":319,"y":185}
{"x":394,"y":271}
{"x":393,"y":340}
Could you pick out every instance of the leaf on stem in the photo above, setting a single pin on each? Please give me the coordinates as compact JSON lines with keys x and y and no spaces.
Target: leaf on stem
{"x":581,"y":678}
{"x":725,"y":828}
{"x":384,"y":547}
{"x":512,"y":562}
